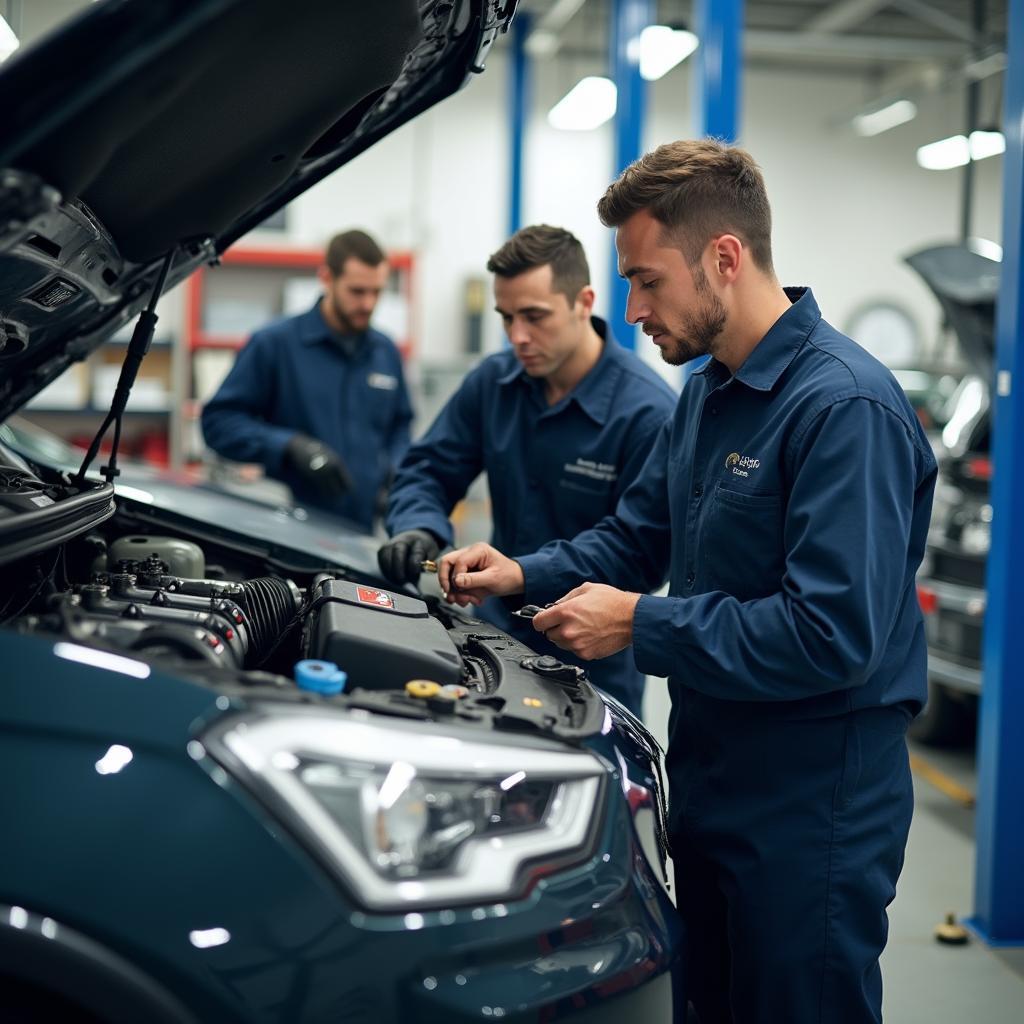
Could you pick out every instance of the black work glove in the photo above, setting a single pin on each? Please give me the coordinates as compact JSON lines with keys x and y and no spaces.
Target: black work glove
{"x":319,"y":467}
{"x":400,"y":558}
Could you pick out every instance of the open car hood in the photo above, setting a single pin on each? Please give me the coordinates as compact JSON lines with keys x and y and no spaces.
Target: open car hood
{"x":966,"y":285}
{"x":148,"y":127}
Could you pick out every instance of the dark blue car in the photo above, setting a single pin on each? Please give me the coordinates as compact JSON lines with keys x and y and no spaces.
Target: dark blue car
{"x":243,"y":781}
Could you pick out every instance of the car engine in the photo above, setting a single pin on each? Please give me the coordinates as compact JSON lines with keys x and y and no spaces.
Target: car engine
{"x":159,"y":599}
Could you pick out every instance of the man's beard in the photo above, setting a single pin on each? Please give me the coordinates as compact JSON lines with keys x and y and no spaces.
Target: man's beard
{"x":699,"y":329}
{"x":345,"y":323}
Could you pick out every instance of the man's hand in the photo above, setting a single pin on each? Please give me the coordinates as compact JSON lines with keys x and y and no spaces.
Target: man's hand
{"x":399,"y":559}
{"x":470,"y":574}
{"x":320,"y":467}
{"x":592,"y":621}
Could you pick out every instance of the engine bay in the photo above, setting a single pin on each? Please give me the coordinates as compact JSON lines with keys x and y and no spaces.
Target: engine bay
{"x":226,"y":615}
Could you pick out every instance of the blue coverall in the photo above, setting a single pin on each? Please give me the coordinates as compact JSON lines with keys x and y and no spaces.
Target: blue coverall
{"x":552,"y":471}
{"x":293,"y":376}
{"x":791,"y":502}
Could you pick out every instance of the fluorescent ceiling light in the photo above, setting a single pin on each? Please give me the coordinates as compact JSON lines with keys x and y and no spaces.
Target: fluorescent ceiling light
{"x":886,"y":117}
{"x":985,"y":144}
{"x":662,"y":48}
{"x":8,"y":40}
{"x":944,"y":154}
{"x":589,"y":103}
{"x":957,"y":150}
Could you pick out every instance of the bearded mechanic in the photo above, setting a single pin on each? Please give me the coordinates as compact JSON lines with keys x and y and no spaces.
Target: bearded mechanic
{"x":788,"y":498}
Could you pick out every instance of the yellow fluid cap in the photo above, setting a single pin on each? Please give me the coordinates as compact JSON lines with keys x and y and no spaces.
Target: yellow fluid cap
{"x":532,"y":702}
{"x":422,"y":688}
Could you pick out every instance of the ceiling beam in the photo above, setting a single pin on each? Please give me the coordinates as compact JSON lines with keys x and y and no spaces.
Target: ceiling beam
{"x":864,"y":48}
{"x":843,"y":15}
{"x":930,"y":15}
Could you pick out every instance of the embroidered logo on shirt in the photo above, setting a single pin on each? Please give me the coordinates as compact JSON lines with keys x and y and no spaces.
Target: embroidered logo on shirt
{"x":741,"y":465}
{"x":594,"y":470}
{"x":384,"y":381}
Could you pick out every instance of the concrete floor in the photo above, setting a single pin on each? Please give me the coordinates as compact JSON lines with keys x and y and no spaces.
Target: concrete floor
{"x":926,"y":982}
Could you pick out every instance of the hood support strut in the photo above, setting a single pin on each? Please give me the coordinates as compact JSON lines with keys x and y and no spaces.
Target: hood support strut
{"x":142,"y":338}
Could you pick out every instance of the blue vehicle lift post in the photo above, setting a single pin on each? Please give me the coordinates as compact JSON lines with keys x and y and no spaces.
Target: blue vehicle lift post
{"x":999,"y":882}
{"x":717,"y":78}
{"x":628,"y":19}
{"x":518,"y":112}
{"x":717,"y":74}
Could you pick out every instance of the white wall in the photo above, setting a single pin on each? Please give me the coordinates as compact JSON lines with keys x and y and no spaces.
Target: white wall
{"x":845,"y":208}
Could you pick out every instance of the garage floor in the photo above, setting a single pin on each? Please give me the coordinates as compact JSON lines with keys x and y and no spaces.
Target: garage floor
{"x":926,"y":982}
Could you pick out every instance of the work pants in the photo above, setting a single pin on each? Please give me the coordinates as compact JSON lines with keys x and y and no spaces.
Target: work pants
{"x":788,"y":835}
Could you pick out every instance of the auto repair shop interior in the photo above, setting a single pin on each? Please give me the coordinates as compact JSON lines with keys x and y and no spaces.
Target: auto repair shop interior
{"x":351,"y":800}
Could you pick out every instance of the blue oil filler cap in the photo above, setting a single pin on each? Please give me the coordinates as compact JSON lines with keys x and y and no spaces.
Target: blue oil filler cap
{"x":320,"y":676}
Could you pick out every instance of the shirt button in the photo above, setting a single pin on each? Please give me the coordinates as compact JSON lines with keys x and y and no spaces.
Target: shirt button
{"x":690,"y":579}
{"x":698,"y":490}
{"x":714,"y":410}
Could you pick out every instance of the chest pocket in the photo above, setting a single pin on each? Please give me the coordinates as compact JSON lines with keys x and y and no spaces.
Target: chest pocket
{"x":584,"y":493}
{"x":742,"y":548}
{"x":381,"y":393}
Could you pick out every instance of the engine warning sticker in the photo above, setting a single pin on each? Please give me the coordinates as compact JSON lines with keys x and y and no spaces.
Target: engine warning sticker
{"x":378,"y":598}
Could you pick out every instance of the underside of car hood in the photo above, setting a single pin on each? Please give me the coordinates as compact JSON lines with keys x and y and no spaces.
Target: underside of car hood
{"x":148,"y":129}
{"x":966,"y":284}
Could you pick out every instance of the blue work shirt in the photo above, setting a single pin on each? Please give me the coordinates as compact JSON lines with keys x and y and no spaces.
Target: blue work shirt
{"x":293,"y":376}
{"x":790,"y":503}
{"x":552,"y":470}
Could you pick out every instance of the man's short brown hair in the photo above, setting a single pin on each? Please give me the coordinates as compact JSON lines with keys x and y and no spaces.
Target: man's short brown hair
{"x":697,"y":188}
{"x":356,"y":245}
{"x":541,"y":245}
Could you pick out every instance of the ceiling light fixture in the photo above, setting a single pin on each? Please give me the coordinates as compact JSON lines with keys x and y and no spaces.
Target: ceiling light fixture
{"x":589,"y":103}
{"x":881,"y":120}
{"x":957,"y":150}
{"x":8,"y":40}
{"x":662,"y":48}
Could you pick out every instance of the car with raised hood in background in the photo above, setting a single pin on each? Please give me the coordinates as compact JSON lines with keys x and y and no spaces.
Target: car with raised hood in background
{"x":951,"y":580}
{"x":244,"y":781}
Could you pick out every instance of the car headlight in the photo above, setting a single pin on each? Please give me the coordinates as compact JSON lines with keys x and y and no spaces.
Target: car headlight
{"x":412,"y":817}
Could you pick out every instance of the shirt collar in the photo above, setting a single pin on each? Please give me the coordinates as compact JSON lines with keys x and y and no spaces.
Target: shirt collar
{"x":595,"y":392}
{"x":777,"y":349}
{"x":313,"y":329}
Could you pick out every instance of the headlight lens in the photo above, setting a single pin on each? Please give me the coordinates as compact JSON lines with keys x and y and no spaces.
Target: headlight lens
{"x":411,"y":817}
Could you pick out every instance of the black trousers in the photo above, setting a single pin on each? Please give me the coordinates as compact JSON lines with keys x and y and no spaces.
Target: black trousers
{"x":788,"y":837}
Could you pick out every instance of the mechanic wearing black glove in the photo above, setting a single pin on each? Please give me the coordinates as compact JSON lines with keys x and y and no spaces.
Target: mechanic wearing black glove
{"x":318,"y":466}
{"x":400,"y":557}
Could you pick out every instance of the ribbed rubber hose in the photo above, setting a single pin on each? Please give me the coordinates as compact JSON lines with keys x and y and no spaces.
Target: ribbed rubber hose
{"x":271,"y":606}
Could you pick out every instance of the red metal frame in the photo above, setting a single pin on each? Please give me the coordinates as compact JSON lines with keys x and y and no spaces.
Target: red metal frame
{"x":302,"y":259}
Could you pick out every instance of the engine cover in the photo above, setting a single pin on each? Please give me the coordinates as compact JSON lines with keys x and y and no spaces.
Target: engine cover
{"x":357,"y":628}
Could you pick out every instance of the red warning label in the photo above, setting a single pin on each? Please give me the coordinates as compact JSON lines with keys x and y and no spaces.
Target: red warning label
{"x":378,"y":598}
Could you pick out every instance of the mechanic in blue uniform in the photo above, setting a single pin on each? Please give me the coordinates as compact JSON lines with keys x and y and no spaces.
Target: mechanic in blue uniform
{"x":789,"y":498}
{"x":320,"y":399}
{"x":561,"y":422}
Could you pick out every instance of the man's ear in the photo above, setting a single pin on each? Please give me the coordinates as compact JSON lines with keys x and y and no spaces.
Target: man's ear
{"x":727,"y":257}
{"x":585,"y":301}
{"x":325,"y":277}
